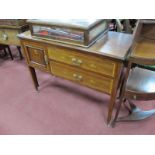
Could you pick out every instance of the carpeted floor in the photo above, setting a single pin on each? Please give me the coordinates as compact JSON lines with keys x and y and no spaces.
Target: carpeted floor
{"x":60,"y":106}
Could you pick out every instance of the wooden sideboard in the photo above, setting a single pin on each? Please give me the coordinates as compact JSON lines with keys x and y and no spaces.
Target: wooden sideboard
{"x":98,"y":67}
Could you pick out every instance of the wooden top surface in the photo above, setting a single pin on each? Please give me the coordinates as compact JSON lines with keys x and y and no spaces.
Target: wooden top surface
{"x":114,"y":45}
{"x":72,"y":23}
{"x":11,"y":27}
{"x":144,"y":49}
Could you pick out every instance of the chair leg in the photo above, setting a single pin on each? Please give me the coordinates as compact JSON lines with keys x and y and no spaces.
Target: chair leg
{"x":132,"y":106}
{"x":127,"y":107}
{"x":121,"y":87}
{"x":10,"y":53}
{"x":20,"y":53}
{"x":5,"y":52}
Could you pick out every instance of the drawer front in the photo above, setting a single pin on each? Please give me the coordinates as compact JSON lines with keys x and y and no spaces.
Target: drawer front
{"x":36,"y":55}
{"x":85,"y":61}
{"x":9,"y":37}
{"x":88,"y":79}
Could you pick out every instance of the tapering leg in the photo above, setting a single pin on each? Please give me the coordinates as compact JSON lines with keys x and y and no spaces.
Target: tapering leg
{"x":111,"y":107}
{"x":5,"y":53}
{"x":117,"y":111}
{"x":10,"y":53}
{"x":34,"y":77}
{"x":20,"y":53}
{"x":116,"y":83}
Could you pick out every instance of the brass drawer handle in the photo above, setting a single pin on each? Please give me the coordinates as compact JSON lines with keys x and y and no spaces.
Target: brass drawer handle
{"x":75,"y":75}
{"x":76,"y":62}
{"x":79,"y":61}
{"x":78,"y":77}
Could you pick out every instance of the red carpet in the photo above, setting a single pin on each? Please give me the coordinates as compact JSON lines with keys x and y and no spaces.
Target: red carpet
{"x":60,"y":107}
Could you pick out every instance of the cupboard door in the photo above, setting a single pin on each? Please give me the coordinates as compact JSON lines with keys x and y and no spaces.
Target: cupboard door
{"x":36,"y":56}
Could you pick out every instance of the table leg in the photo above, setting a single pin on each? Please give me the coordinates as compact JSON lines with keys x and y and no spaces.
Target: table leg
{"x":9,"y":50}
{"x":111,"y":106}
{"x":5,"y":53}
{"x":20,"y":53}
{"x":34,"y":77}
{"x":116,"y":83}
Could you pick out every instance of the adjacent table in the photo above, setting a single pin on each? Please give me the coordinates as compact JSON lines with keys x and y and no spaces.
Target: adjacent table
{"x":8,"y":35}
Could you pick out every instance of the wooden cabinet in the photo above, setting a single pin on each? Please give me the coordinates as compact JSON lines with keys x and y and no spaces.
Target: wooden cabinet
{"x":98,"y":67}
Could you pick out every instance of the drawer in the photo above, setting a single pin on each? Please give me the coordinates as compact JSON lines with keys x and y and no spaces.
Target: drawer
{"x":9,"y":37}
{"x":77,"y":75}
{"x":85,"y":61}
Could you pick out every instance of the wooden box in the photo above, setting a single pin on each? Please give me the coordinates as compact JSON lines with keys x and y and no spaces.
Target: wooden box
{"x":76,"y":32}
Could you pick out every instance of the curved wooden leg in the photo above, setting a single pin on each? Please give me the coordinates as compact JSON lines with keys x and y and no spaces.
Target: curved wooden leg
{"x":127,"y":107}
{"x":136,"y":114}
